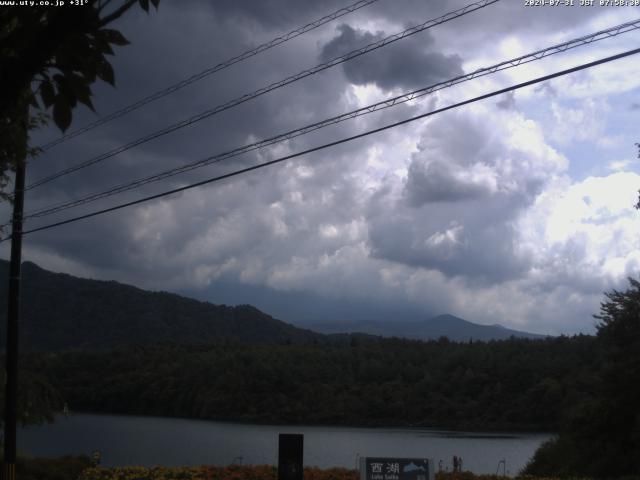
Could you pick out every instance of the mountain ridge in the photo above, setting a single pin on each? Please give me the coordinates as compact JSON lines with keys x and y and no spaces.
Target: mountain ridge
{"x":88,"y":313}
{"x":446,"y":325}
{"x":61,"y":311}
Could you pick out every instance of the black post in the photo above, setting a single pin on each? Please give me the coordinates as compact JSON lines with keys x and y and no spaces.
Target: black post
{"x":13,"y":317}
{"x":290,"y":450}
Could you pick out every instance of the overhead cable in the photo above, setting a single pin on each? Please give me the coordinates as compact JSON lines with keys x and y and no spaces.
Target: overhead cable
{"x":250,"y":96}
{"x":335,"y":143}
{"x":391,"y":102}
{"x":210,"y":71}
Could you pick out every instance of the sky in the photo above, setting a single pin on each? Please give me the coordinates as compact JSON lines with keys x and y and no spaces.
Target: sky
{"x":515,"y":210}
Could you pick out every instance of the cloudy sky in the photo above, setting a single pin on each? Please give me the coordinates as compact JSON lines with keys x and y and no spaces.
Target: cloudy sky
{"x":515,"y":210}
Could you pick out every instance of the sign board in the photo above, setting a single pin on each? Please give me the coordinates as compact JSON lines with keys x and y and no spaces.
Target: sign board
{"x":290,"y":451}
{"x":383,"y":468}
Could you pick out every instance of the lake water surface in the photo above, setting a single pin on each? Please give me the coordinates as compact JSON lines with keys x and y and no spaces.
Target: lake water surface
{"x":147,"y":441}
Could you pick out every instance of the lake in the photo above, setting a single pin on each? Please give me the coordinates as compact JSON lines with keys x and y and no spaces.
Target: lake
{"x":147,"y":441}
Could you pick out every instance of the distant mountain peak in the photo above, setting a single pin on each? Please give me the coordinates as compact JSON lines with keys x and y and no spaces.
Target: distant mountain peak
{"x":95,"y":313}
{"x":447,"y":317}
{"x":444,"y":325}
{"x":62,"y":311}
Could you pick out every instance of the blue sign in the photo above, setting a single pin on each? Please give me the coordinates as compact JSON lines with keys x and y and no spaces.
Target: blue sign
{"x":384,"y":468}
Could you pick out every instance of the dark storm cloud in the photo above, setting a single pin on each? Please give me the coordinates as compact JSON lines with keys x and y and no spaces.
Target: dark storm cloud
{"x":271,"y":114}
{"x":438,"y":182}
{"x":460,"y":158}
{"x":274,"y":14}
{"x":314,"y":230}
{"x":483,"y":29}
{"x":306,"y":307}
{"x":473,"y":238}
{"x":407,"y":64}
{"x":508,"y":101}
{"x":464,"y":190}
{"x":162,"y":53}
{"x":547,"y":89}
{"x":444,"y":171}
{"x":478,"y":249}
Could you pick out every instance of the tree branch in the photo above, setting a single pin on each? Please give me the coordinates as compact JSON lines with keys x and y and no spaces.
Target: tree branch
{"x":116,"y":13}
{"x":102,"y":5}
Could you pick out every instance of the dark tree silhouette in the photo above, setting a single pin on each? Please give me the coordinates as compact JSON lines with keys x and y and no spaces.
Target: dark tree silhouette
{"x":49,"y":57}
{"x":602,"y":438}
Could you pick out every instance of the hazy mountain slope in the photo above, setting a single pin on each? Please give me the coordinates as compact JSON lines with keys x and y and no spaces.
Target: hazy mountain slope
{"x":63,"y":311}
{"x":454,"y":328}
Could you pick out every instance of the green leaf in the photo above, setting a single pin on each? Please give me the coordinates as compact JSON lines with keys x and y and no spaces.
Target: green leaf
{"x":33,"y":101}
{"x":102,"y":46}
{"x":61,"y":114}
{"x":105,"y":72}
{"x":47,"y":93}
{"x":88,"y":103}
{"x":66,"y":91}
{"x":144,"y":4}
{"x":81,"y":89}
{"x":113,"y":36}
{"x":84,"y":97}
{"x":89,"y":66}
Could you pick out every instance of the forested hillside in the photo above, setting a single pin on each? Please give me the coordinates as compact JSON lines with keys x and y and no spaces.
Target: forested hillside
{"x":61,"y":311}
{"x":527,"y":384}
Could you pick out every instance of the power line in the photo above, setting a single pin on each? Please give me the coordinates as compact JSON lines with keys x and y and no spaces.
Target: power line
{"x":337,"y":142}
{"x":294,"y":78}
{"x":211,"y":70}
{"x":392,"y":102}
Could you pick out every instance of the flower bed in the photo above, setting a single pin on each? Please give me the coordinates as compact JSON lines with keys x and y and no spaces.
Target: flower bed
{"x":259,"y":472}
{"x":233,"y":472}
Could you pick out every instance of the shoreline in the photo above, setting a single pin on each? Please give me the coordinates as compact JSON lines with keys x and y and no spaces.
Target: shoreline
{"x":495,"y":432}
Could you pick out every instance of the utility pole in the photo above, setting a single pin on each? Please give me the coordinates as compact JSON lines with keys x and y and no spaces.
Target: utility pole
{"x":13,"y":320}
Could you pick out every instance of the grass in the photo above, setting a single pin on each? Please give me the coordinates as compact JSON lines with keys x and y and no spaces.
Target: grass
{"x":80,"y":468}
{"x":63,"y":468}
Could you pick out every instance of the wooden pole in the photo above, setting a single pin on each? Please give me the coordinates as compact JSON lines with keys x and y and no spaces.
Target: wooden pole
{"x":13,"y":320}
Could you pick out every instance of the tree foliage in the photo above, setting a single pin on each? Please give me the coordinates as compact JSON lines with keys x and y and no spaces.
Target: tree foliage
{"x":514,"y":384}
{"x":99,"y":314}
{"x":49,"y":58}
{"x":38,"y":400}
{"x":602,"y":438}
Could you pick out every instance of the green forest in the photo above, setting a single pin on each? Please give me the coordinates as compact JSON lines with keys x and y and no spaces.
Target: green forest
{"x":585,"y":388}
{"x":515,"y":384}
